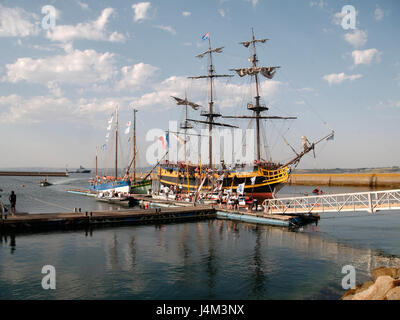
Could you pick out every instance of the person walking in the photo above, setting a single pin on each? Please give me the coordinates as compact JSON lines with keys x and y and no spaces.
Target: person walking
{"x":13,"y":201}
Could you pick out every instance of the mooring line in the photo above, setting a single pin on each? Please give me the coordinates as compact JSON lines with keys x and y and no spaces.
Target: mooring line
{"x":52,"y":204}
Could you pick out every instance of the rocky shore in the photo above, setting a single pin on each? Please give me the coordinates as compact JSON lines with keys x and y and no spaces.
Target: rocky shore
{"x":385,"y":285}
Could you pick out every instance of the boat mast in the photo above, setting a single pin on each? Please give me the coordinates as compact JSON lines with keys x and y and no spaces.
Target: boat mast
{"x":257,"y":97}
{"x":96,"y":160}
{"x":134,"y":145}
{"x":116,"y":143}
{"x":210,"y":115}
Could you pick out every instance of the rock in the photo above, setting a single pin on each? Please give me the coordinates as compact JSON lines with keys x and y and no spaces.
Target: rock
{"x":349,"y":292}
{"x":383,"y":285}
{"x":384,"y":271}
{"x":365,"y":286}
{"x":393,"y":294}
{"x":367,"y":294}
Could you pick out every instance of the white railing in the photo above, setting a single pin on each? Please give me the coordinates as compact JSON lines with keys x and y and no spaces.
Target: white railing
{"x":370,"y":201}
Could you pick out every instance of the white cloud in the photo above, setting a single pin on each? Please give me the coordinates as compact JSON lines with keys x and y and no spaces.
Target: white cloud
{"x":356,"y":38}
{"x":229,"y":95}
{"x":140,"y":11}
{"x":378,"y":13}
{"x":365,"y":56}
{"x":336,"y":78}
{"x":253,"y":2}
{"x":186,"y":13}
{"x":221,"y":12}
{"x":321,"y":4}
{"x":337,"y":18}
{"x":16,"y":22}
{"x":135,"y":76}
{"x":83,"y":5}
{"x":51,"y":108}
{"x":75,"y":67}
{"x":166,"y":28}
{"x":91,"y":30}
{"x":389,"y":103}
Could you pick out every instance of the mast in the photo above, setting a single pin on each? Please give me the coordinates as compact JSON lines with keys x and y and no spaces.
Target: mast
{"x":116,"y":143}
{"x":210,"y":115}
{"x":134,"y":145}
{"x":96,"y":160}
{"x":254,"y":70}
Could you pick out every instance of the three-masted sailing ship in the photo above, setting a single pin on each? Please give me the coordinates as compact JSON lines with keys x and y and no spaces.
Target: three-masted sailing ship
{"x":263,"y":178}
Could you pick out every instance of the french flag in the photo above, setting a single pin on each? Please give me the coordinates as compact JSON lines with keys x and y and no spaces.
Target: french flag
{"x":206,"y":36}
{"x":164,"y":141}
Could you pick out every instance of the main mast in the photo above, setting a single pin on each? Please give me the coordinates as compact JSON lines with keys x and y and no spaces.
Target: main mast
{"x":258,"y":108}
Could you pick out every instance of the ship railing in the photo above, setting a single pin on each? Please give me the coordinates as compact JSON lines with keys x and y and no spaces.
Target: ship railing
{"x":370,"y":201}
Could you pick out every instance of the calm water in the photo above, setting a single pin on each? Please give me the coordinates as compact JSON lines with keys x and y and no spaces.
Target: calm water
{"x":214,"y":259}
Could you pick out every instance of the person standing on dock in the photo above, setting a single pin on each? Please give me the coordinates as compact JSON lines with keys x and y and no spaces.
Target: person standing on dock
{"x":13,"y":201}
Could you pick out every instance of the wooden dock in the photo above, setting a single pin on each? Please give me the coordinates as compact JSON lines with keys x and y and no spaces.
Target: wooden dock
{"x":69,"y":220}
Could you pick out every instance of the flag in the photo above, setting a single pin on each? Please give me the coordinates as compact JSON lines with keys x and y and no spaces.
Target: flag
{"x":109,"y":128}
{"x":206,"y":36}
{"x":164,"y":141}
{"x":253,"y":180}
{"x":127,"y":130}
{"x":107,"y":135}
{"x":240,"y":188}
{"x":110,"y":121}
{"x":180,"y":140}
{"x":331,"y":137}
{"x":104,"y":147}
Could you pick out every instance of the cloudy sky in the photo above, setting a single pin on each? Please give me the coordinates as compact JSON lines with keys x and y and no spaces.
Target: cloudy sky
{"x":60,"y":83}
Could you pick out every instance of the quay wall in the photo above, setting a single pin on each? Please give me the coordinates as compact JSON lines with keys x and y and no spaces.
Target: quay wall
{"x":34,"y":173}
{"x":373,"y":180}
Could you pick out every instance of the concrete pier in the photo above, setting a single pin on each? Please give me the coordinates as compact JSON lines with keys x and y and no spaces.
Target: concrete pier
{"x":372,"y":180}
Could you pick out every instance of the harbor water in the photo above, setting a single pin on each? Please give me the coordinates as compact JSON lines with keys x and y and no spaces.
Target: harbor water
{"x":214,"y":259}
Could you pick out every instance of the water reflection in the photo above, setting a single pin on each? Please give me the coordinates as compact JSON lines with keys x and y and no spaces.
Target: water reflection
{"x":214,"y":259}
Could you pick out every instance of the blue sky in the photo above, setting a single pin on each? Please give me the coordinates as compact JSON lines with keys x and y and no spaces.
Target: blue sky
{"x":58,"y":87}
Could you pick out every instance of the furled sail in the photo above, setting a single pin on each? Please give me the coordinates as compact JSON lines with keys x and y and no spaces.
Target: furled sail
{"x":180,"y":101}
{"x":247,"y":43}
{"x":267,"y":72}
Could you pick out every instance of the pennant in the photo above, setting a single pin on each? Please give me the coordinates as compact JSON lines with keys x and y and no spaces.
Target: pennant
{"x":206,"y":36}
{"x":109,"y":128}
{"x":127,"y":130}
{"x":331,"y":137}
{"x":107,"y":135}
{"x":240,"y":189}
{"x":180,"y":140}
{"x":111,"y":120}
{"x":104,"y":147}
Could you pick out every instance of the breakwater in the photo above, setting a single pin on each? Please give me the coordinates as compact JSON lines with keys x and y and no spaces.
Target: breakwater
{"x":372,"y":180}
{"x":34,"y":173}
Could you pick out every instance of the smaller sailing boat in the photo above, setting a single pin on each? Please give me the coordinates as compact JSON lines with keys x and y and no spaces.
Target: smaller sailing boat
{"x":111,"y":184}
{"x":138,"y":186}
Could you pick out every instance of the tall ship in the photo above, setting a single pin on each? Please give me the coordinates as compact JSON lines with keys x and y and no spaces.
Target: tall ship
{"x":261,"y":179}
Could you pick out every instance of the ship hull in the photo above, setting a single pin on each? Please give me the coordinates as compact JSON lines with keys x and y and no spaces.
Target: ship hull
{"x":117,"y":186}
{"x":141,"y":187}
{"x":260,"y":184}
